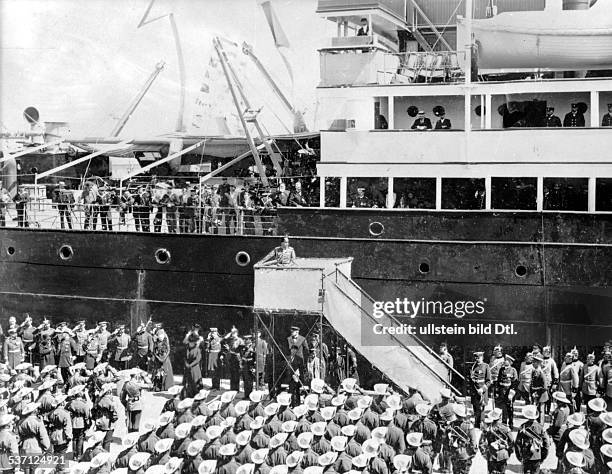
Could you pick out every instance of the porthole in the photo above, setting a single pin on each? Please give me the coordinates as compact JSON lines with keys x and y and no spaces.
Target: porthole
{"x":162,"y":256}
{"x":520,"y":271}
{"x":243,"y":258}
{"x":424,"y":268}
{"x":10,"y":250}
{"x":65,"y":252}
{"x":376,"y":228}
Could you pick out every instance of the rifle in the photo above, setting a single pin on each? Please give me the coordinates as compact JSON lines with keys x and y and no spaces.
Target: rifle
{"x":459,"y":434}
{"x":535,"y":439}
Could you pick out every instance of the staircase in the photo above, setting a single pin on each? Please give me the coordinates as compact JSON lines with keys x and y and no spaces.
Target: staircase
{"x":404,"y":359}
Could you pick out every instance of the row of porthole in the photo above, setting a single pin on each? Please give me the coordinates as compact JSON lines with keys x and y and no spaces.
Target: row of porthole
{"x":377,"y":228}
{"x":162,"y":256}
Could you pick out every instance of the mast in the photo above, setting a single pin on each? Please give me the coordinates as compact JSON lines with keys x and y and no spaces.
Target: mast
{"x":130,"y":110}
{"x":180,"y":126}
{"x":468,"y":76}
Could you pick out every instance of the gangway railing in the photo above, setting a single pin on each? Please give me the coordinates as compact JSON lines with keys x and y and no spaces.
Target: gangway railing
{"x":395,"y":338}
{"x":395,"y":320}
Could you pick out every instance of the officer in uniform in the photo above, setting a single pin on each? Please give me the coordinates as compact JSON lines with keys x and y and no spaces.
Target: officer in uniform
{"x":443,"y":415}
{"x":143,"y":347}
{"x":282,"y":255}
{"x":505,"y":386}
{"x":463,"y":443}
{"x":551,"y":119}
{"x":33,"y":436}
{"x":298,"y":351}
{"x":262,"y":352}
{"x":496,"y":443}
{"x":247,"y":361}
{"x":574,"y":118}
{"x":80,"y":413}
{"x":523,"y":388}
{"x":120,"y":353}
{"x":531,"y":445}
{"x":551,"y":373}
{"x":495,"y":364}
{"x":92,"y":351}
{"x":233,"y":343}
{"x":64,"y":200}
{"x":569,"y":381}
{"x":66,"y":348}
{"x":131,"y":399}
{"x":13,"y":349}
{"x":26,"y":333}
{"x":589,"y":379}
{"x":80,"y":337}
{"x":361,"y":200}
{"x":447,"y":358}
{"x":607,"y":118}
{"x":103,"y":336}
{"x":212,"y":347}
{"x":480,"y":380}
{"x":44,"y":344}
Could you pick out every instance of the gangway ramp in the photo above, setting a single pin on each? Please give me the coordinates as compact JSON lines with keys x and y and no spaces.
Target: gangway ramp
{"x":324,"y":286}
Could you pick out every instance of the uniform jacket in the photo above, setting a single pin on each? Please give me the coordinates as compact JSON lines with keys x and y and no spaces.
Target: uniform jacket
{"x":13,"y":351}
{"x":65,"y":350}
{"x":33,"y":435}
{"x":60,"y":426}
{"x":525,"y":448}
{"x":8,"y":447}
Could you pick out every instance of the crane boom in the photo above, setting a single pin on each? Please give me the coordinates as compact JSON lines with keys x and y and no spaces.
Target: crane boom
{"x":130,"y":110}
{"x":298,"y":119}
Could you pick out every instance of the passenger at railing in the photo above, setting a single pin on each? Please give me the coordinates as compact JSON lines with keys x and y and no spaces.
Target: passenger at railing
{"x":187,"y":203}
{"x":64,"y":200}
{"x":281,"y":198}
{"x":574,"y":118}
{"x":231,"y":218}
{"x":142,"y":209}
{"x":422,"y":122}
{"x":381,"y":123}
{"x":364,"y":30}
{"x":551,"y":119}
{"x":21,"y":200}
{"x":408,"y":201}
{"x":126,"y":206}
{"x":607,"y":118}
{"x":297,"y":198}
{"x":247,"y":203}
{"x":158,"y":200}
{"x":361,"y":200}
{"x":5,"y":199}
{"x":443,"y":123}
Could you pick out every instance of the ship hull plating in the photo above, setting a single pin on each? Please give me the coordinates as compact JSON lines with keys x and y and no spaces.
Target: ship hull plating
{"x":548,"y":274}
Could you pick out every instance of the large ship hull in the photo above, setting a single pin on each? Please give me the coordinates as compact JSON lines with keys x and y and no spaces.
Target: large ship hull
{"x":548,"y":274}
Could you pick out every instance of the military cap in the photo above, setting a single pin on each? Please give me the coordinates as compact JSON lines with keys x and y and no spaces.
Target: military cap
{"x":360,"y":461}
{"x":257,"y":423}
{"x":228,"y":397}
{"x":182,"y":430}
{"x":30,"y":408}
{"x":348,"y":430}
{"x":597,"y":404}
{"x":214,"y":431}
{"x":606,"y":435}
{"x":259,"y":455}
{"x":278,"y":440}
{"x":172,"y":465}
{"x":283,"y":399}
{"x":248,"y":468}
{"x":166,"y":418}
{"x":295,"y":328}
{"x":256,"y":396}
{"x":185,"y":404}
{"x":289,"y":426}
{"x":338,"y":443}
{"x":317,"y":385}
{"x":561,"y":397}
{"x":138,"y":460}
{"x":148,"y":426}
{"x":401,"y":462}
{"x":271,"y":409}
{"x":328,"y":458}
{"x":201,"y":395}
{"x":243,"y":438}
{"x":414,"y":439}
{"x":198,"y":421}
{"x":294,"y":458}
{"x":163,"y":445}
{"x":422,"y":409}
{"x":509,"y":358}
{"x":304,"y":440}
{"x":575,"y":419}
{"x":195,"y":447}
{"x":580,"y":438}
{"x":530,"y":412}
{"x":100,"y":459}
{"x":478,"y":353}
{"x":318,"y":428}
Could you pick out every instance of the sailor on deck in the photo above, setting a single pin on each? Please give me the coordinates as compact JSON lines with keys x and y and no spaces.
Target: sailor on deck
{"x":282,"y":255}
{"x":551,"y":119}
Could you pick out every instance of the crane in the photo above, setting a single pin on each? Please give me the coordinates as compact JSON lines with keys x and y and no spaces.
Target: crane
{"x":298,"y":119}
{"x":130,"y":110}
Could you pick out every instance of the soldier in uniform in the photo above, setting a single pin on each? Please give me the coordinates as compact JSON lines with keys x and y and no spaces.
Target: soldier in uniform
{"x":103,"y":336}
{"x":606,"y":379}
{"x":26,"y":333}
{"x":589,"y":379}
{"x":282,"y":255}
{"x":578,"y":365}
{"x":447,"y":358}
{"x":531,"y":445}
{"x":105,"y":413}
{"x":551,"y":373}
{"x":539,"y":385}
{"x":551,"y":119}
{"x":9,"y":446}
{"x":60,"y":431}
{"x":212,"y":347}
{"x":131,"y":398}
{"x":13,"y":349}
{"x":33,"y":437}
{"x":495,"y":364}
{"x":262,"y":352}
{"x":523,"y":388}
{"x":462,"y":441}
{"x":121,"y":344}
{"x":606,"y":121}
{"x":21,"y":201}
{"x":142,"y":209}
{"x":480,"y":380}
{"x":443,"y":415}
{"x":569,"y":381}
{"x":65,"y":348}
{"x":298,"y":351}
{"x":505,"y":386}
{"x":80,"y":337}
{"x":80,"y":412}
{"x":142,"y":347}
{"x":64,"y":200}
{"x":44,"y":344}
{"x":92,"y":351}
{"x":232,"y":344}
{"x":574,"y":118}
{"x":496,"y":443}
{"x":247,"y":361}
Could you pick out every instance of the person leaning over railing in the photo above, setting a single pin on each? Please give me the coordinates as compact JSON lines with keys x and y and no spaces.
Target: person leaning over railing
{"x":5,"y":199}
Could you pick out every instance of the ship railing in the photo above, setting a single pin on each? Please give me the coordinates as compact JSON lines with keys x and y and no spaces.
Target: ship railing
{"x":203,"y":219}
{"x":420,"y":67}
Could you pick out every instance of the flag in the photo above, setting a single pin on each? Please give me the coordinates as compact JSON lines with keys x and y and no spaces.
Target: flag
{"x":280,"y":38}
